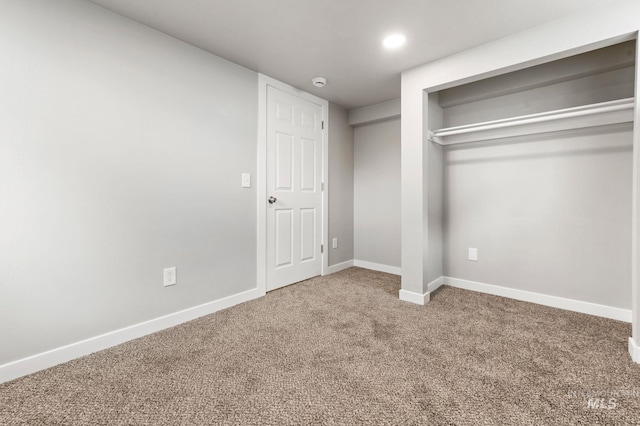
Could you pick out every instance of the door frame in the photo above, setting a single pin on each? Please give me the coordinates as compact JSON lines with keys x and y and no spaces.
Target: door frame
{"x":261,"y":179}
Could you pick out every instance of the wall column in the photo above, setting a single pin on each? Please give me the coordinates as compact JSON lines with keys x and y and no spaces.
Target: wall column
{"x":414,"y":158}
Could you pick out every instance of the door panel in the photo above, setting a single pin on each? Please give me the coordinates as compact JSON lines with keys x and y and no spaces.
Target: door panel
{"x":308,"y":165}
{"x":294,"y":174}
{"x":284,"y":241}
{"x":307,"y":235}
{"x":284,"y":162}
{"x":284,"y":112}
{"x":308,"y":119}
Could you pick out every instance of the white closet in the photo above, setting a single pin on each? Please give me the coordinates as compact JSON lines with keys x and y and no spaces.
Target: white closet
{"x":537,"y":169}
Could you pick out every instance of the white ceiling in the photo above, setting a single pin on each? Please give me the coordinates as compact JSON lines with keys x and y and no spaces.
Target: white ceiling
{"x":296,"y":40}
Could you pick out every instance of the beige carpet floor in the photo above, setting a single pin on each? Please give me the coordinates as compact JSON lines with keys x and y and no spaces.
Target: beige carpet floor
{"x":343,"y":349}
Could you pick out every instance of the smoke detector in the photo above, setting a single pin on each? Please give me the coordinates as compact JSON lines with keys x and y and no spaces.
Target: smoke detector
{"x":319,"y":81}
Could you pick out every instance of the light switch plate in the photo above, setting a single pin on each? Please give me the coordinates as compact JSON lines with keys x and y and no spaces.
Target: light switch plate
{"x":246,"y":180}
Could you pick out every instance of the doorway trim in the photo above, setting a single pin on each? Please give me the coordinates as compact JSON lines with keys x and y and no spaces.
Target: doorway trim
{"x":265,"y":81}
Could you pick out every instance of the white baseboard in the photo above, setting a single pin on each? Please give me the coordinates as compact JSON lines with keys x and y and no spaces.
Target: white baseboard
{"x":377,"y":267}
{"x":339,"y":267}
{"x":417,"y":298}
{"x":421,"y":299}
{"x":543,"y":299}
{"x":634,"y":350}
{"x":435,"y":284}
{"x":34,"y":363}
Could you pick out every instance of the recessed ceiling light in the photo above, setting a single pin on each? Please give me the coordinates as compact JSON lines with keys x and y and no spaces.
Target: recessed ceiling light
{"x":394,"y":41}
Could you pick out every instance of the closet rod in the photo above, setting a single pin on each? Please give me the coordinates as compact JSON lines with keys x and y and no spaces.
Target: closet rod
{"x":623,"y":106}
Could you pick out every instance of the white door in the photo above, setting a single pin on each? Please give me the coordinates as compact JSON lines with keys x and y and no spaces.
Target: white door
{"x":294,"y":189}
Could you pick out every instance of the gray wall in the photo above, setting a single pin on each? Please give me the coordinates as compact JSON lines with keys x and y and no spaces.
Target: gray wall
{"x":550,"y":213}
{"x":601,"y":87}
{"x":377,"y":192}
{"x":121,"y":154}
{"x":340,"y":185}
{"x":597,"y":76}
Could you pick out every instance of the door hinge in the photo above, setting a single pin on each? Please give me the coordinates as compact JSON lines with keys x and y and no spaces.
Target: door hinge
{"x":321,"y":248}
{"x":322,"y":125}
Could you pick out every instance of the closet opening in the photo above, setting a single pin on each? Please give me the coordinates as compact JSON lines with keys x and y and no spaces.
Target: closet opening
{"x":537,"y":172}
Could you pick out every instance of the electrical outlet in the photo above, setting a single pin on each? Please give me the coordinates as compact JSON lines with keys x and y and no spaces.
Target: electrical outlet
{"x":473,"y":254}
{"x":170,"y":277}
{"x":335,"y":243}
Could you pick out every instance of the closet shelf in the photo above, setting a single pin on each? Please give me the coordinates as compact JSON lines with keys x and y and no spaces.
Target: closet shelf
{"x":600,"y":114}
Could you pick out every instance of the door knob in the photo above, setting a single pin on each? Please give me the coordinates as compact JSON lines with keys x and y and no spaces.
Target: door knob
{"x":272,"y":200}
